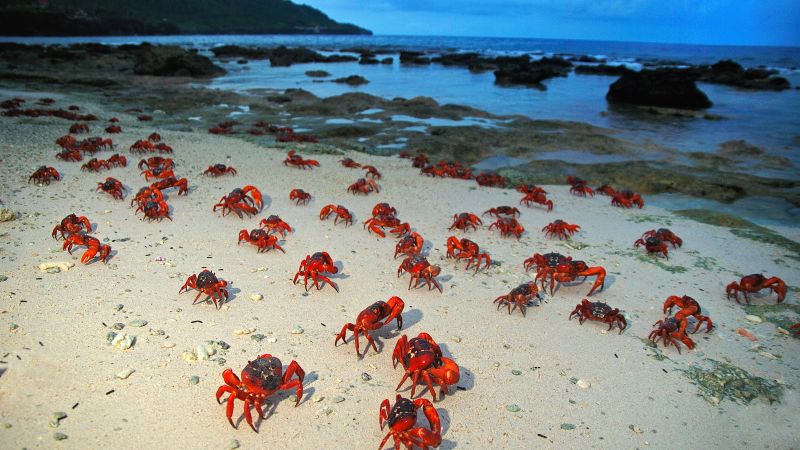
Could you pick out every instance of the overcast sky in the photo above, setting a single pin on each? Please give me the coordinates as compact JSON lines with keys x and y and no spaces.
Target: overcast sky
{"x":738,"y":22}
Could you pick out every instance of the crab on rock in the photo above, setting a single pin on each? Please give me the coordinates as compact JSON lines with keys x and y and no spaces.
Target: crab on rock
{"x":370,"y":319}
{"x":43,"y":175}
{"x":422,"y":360}
{"x":754,"y":283}
{"x":519,"y":297}
{"x":299,"y":196}
{"x":219,"y":169}
{"x":600,"y":312}
{"x":72,"y":224}
{"x":464,"y":221}
{"x":313,"y":267}
{"x":339,"y":211}
{"x":260,"y":379}
{"x":260,"y":239}
{"x":467,"y":250}
{"x":207,"y":283}
{"x":401,"y":419}
{"x":420,"y":270}
{"x":240,"y":201}
{"x":93,"y":246}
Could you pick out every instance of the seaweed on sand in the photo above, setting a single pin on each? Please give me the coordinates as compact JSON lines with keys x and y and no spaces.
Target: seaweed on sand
{"x":724,"y":380}
{"x":779,"y":315}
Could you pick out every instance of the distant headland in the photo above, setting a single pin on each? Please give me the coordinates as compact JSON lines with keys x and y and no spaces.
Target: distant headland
{"x":152,"y":17}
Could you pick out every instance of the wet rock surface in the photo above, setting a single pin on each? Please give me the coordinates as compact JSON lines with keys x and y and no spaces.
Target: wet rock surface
{"x":665,"y":88}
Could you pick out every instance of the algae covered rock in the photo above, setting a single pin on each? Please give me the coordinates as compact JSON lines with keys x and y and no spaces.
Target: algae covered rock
{"x":724,"y":380}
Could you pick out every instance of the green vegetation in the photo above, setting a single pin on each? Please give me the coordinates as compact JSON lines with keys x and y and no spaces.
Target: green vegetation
{"x":726,"y":380}
{"x":783,"y":315}
{"x":123,"y":17}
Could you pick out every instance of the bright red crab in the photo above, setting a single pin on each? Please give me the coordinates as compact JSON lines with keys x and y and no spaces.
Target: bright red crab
{"x":73,"y":155}
{"x":401,"y":419}
{"x":422,"y":360}
{"x":170,"y":182}
{"x":206,"y":283}
{"x":796,"y":328}
{"x":370,"y":319}
{"x":754,"y":283}
{"x":529,"y":189}
{"x":500,"y":211}
{"x":519,"y":297}
{"x":653,"y":245}
{"x":409,"y":245}
{"x":565,"y":270}
{"x":377,"y":223}
{"x":371,"y":172}
{"x":421,"y":271}
{"x":295,"y":160}
{"x":464,"y":221}
{"x":665,"y":235}
{"x":142,"y":146}
{"x":606,"y":189}
{"x":72,"y":224}
{"x":363,"y":186}
{"x":274,"y":224}
{"x":349,"y":163}
{"x":339,"y":211}
{"x":219,"y":169}
{"x":491,"y":180}
{"x":467,"y":250}
{"x":43,"y":175}
{"x":539,"y":198}
{"x":579,"y":187}
{"x":239,"y":201}
{"x":600,"y":312}
{"x":113,"y":129}
{"x":688,"y":308}
{"x":260,"y":239}
{"x":299,"y":196}
{"x":383,"y":209}
{"x":94,"y":165}
{"x":118,"y":160}
{"x":93,"y":247}
{"x":540,"y":262}
{"x":560,"y":229}
{"x":260,"y":379}
{"x":157,"y":173}
{"x":508,"y":226}
{"x":113,"y":187}
{"x":626,"y":199}
{"x":669,"y":330}
{"x":157,"y":161}
{"x":313,"y":267}
{"x":419,"y":161}
{"x":154,"y":210}
{"x":147,"y":194}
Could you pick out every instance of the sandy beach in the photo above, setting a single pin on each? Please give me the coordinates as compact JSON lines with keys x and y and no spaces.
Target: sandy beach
{"x":539,"y":381}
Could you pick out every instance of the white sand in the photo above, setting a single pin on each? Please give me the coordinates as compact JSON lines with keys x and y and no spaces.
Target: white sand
{"x":157,"y":407}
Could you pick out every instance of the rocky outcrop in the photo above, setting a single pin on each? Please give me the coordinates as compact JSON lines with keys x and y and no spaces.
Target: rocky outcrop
{"x":521,"y":70}
{"x":173,"y":61}
{"x":236,"y":51}
{"x":285,"y":56}
{"x":602,"y":69}
{"x":352,"y":80}
{"x":731,"y":73}
{"x":317,"y":73}
{"x":409,"y":57}
{"x":665,"y":88}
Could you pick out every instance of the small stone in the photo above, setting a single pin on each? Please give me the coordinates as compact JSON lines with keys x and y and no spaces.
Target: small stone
{"x":257,"y":337}
{"x":317,"y":398}
{"x":337,"y":399}
{"x":635,"y":429}
{"x":754,"y":319}
{"x":6,"y":215}
{"x":456,"y":339}
{"x":327,"y":410}
{"x":297,"y":329}
{"x":243,"y":331}
{"x":365,"y":376}
{"x":56,"y":418}
{"x":513,"y":408}
{"x":272,"y":340}
{"x":516,"y":372}
{"x":189,"y":357}
{"x":567,"y":426}
{"x":583,"y":384}
{"x":204,"y":352}
{"x":256,"y":297}
{"x":118,"y":326}
{"x":767,"y":355}
{"x":3,"y":278}
{"x":157,"y":332}
{"x":13,"y":327}
{"x":124,"y":373}
{"x":233,"y":444}
{"x":119,"y":307}
{"x":137,"y":323}
{"x":783,"y":331}
{"x":168,"y":345}
{"x":305,"y":294}
{"x":53,"y":270}
{"x":293,"y":398}
{"x":194,"y":379}
{"x":122,"y":341}
{"x":59,"y":436}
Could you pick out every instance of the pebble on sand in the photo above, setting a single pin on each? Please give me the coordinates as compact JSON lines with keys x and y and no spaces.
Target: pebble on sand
{"x":61,"y":266}
{"x":256,"y":297}
{"x":297,"y":329}
{"x":6,"y":215}
{"x":122,"y":341}
{"x":754,"y":319}
{"x":59,"y":436}
{"x":513,"y":408}
{"x":194,"y":379}
{"x":137,"y":323}
{"x":567,"y":426}
{"x":123,"y":374}
{"x":583,"y":384}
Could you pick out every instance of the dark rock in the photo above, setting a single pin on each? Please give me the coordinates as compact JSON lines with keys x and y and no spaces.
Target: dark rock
{"x":317,"y":73}
{"x":235,"y":51}
{"x":347,"y":131}
{"x":368,"y":60}
{"x":408,"y":57}
{"x":520,"y":70}
{"x":664,"y":87}
{"x":602,"y":69}
{"x":284,"y":56}
{"x":171,"y":61}
{"x":352,"y":80}
{"x":387,"y":60}
{"x":242,"y":61}
{"x":731,"y":73}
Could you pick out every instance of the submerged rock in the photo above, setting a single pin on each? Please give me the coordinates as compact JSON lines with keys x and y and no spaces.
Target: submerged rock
{"x":173,"y":61}
{"x":666,"y":88}
{"x":352,"y":80}
{"x":521,"y":70}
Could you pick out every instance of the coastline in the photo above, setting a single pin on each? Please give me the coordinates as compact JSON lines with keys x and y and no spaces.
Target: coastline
{"x":638,"y":396}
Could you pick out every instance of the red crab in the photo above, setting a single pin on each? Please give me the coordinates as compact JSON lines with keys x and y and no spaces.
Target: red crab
{"x":158,"y":173}
{"x":372,"y":172}
{"x":383,"y":209}
{"x":579,"y":187}
{"x":93,"y":246}
{"x":560,"y":229}
{"x":94,"y":165}
{"x":298,"y":161}
{"x":422,"y":360}
{"x":370,"y":319}
{"x":260,"y":379}
{"x":43,"y":175}
{"x":144,"y":118}
{"x":529,"y":189}
{"x":72,"y":224}
{"x":113,"y":120}
{"x":540,"y":262}
{"x":503,"y":211}
{"x":606,"y":189}
{"x":73,"y":155}
{"x":565,"y":270}
{"x":274,"y":224}
{"x":206,"y":283}
{"x":163,"y":148}
{"x":409,"y":245}
{"x":688,"y":308}
{"x":118,"y":160}
{"x":600,"y":312}
{"x":520,"y":297}
{"x":240,"y":202}
{"x":147,"y":194}
{"x":401,"y":419}
{"x":419,"y":161}
{"x":154,"y":137}
{"x":154,"y":210}
{"x":219,"y":169}
{"x":313,"y":267}
{"x":142,"y":146}
{"x":113,"y":129}
{"x":464,"y":221}
{"x":490,"y":179}
{"x":182,"y":185}
{"x":537,"y":197}
{"x":339,"y":211}
{"x":754,"y":283}
{"x":467,"y":250}
{"x":66,"y":141}
{"x":349,"y":163}
{"x":260,"y":239}
{"x":796,"y":328}
{"x":299,"y":196}
{"x":669,"y":330}
{"x":156,"y":161}
{"x":113,"y":187}
{"x":664,"y":234}
{"x":363,"y":186}
{"x":626,"y":199}
{"x":79,"y":128}
{"x":420,"y":270}
{"x":377,"y":223}
{"x":653,"y":245}
{"x":508,"y":226}
{"x":433,"y":171}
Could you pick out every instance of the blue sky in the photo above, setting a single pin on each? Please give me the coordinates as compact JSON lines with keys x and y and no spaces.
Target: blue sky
{"x":737,"y":22}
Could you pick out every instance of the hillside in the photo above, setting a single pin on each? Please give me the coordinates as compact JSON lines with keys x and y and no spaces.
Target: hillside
{"x":125,"y":17}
